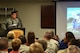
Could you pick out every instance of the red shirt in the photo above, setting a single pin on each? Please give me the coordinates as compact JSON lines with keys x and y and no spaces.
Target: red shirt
{"x":14,"y":51}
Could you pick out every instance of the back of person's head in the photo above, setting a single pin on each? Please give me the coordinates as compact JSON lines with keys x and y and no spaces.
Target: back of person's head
{"x":3,"y":43}
{"x":23,"y":39}
{"x":73,"y":42}
{"x":50,"y":32}
{"x":36,"y":48}
{"x":31,"y":37}
{"x":43,"y":43}
{"x":47,"y":35}
{"x":69,"y":36}
{"x":16,"y":44}
{"x":10,"y":35}
{"x":73,"y":49}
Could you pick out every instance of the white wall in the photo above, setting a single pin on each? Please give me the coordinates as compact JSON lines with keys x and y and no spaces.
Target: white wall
{"x":30,"y":14}
{"x":61,"y":17}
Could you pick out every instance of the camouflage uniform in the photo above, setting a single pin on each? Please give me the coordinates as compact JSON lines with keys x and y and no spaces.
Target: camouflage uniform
{"x":10,"y":22}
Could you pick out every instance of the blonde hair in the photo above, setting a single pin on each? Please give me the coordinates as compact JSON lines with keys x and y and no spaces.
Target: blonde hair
{"x":10,"y":35}
{"x":73,"y":49}
{"x":16,"y":44}
{"x":36,"y":48}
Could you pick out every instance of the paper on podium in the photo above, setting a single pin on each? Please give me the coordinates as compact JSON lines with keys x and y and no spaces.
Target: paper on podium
{"x":13,"y":25}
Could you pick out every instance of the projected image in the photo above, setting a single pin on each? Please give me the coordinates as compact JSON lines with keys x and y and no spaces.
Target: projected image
{"x":73,"y":20}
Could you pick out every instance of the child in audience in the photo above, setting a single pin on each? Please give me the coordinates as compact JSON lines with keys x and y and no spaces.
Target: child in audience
{"x":36,"y":48}
{"x":15,"y":45}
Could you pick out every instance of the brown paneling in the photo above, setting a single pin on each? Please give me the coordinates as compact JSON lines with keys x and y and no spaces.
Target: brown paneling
{"x":48,"y":16}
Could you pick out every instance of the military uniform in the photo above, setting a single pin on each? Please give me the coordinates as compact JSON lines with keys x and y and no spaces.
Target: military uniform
{"x":10,"y":22}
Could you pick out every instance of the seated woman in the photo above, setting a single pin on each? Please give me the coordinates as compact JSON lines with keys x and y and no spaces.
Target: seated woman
{"x":30,"y":38}
{"x":72,"y":47}
{"x":64,"y":42}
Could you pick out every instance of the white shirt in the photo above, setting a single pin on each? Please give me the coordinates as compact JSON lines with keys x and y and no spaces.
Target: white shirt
{"x":52,"y":46}
{"x":24,"y":49}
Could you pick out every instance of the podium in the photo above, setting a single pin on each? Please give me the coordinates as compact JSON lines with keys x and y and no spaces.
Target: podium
{"x":17,"y":31}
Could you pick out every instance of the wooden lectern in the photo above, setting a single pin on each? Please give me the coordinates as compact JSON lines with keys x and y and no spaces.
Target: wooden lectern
{"x":16,"y":31}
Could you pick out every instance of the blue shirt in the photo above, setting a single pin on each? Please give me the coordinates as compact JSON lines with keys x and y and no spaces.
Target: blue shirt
{"x":63,"y":45}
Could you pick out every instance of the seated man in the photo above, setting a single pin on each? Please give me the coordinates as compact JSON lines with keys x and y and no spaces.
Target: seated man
{"x":52,"y":45}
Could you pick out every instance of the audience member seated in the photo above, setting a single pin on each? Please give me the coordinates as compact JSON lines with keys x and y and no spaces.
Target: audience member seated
{"x":15,"y":45}
{"x":51,"y":33}
{"x":52,"y":45}
{"x":30,"y":38}
{"x":54,"y":37}
{"x":43,"y":43}
{"x":73,"y":42}
{"x":23,"y":48}
{"x":64,"y":42}
{"x":36,"y":48}
{"x":10,"y":35}
{"x":3,"y":45}
{"x":72,"y":47}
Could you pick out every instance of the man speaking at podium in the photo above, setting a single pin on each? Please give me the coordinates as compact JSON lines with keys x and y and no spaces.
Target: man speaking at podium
{"x":13,"y":21}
